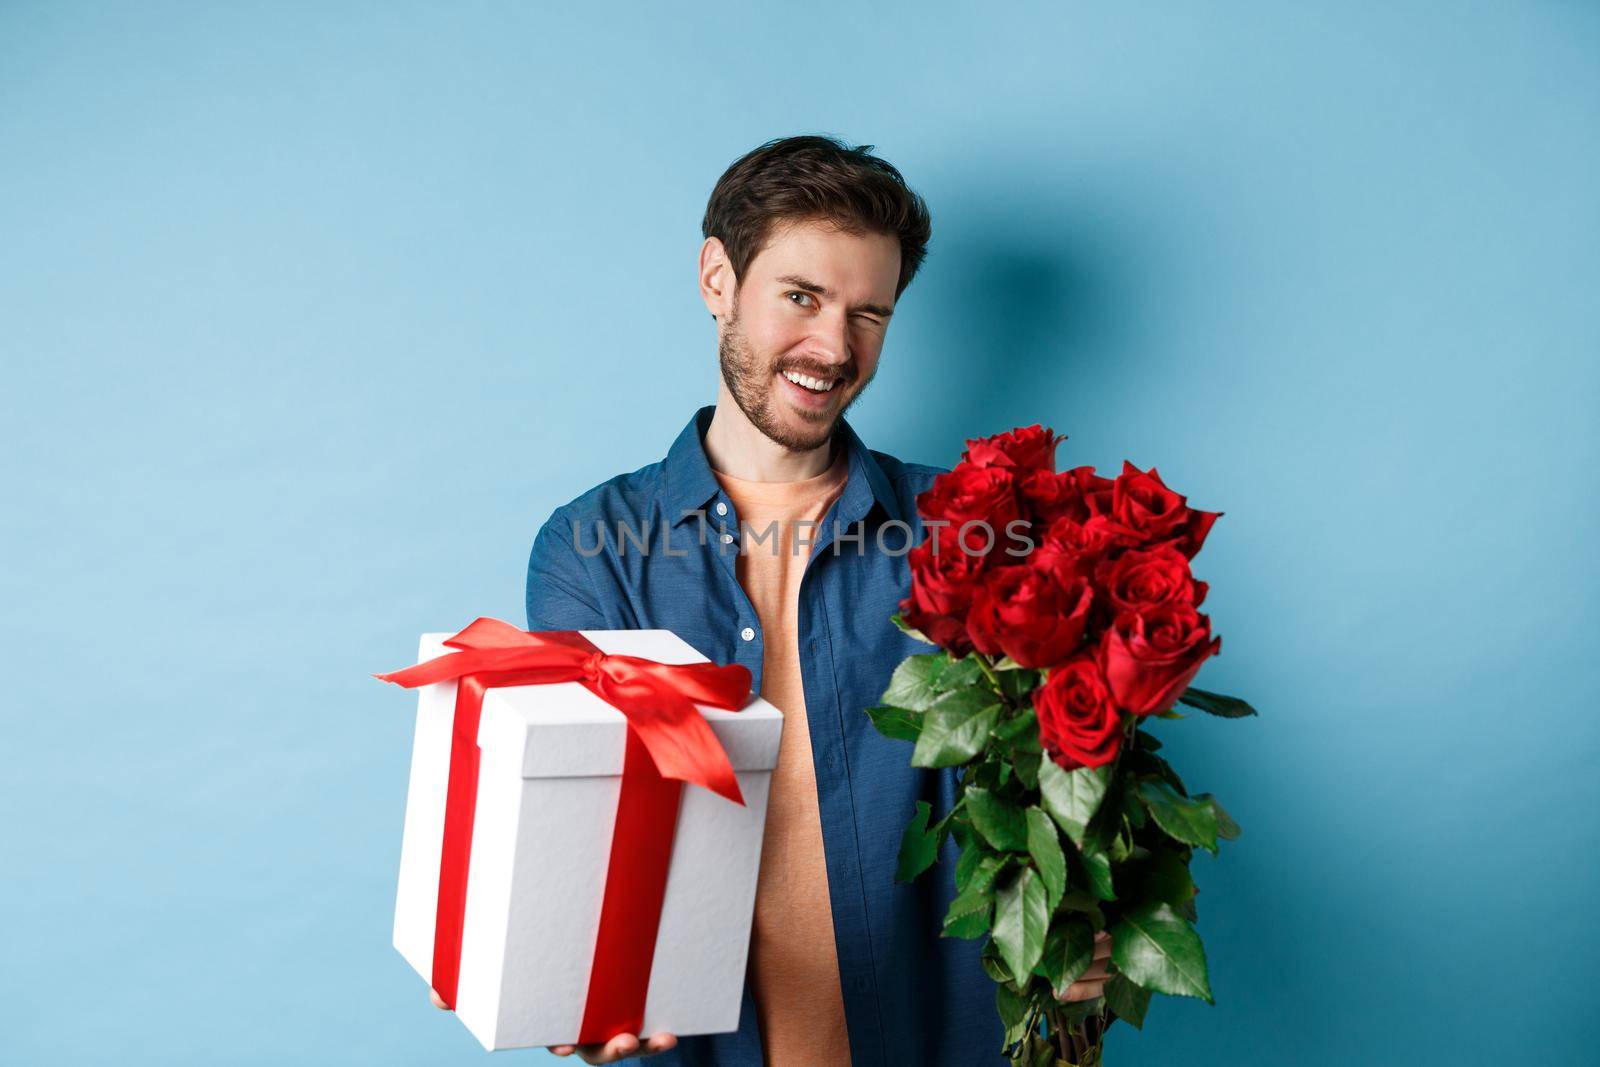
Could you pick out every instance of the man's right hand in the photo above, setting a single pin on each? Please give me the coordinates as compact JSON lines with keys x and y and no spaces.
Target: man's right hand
{"x":619,"y":1047}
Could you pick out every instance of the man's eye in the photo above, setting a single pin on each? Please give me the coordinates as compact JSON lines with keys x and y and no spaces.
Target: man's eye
{"x":806,"y":296}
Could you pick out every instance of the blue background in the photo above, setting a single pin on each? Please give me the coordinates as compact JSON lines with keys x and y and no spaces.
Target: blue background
{"x":311,"y":313}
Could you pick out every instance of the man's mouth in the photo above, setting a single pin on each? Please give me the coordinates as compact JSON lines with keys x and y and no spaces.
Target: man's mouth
{"x":805,"y":381}
{"x":807,"y":393}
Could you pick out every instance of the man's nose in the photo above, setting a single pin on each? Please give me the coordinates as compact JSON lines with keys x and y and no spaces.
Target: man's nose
{"x":832,"y":345}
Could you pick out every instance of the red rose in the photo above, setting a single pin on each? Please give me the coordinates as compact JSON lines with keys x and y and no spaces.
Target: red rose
{"x":1049,"y":495}
{"x":1096,"y":491}
{"x":1191,"y":533}
{"x":1027,"y":613}
{"x":1146,"y":509}
{"x":1150,"y":657}
{"x":1026,"y":448}
{"x":984,"y":496}
{"x":942,"y":584}
{"x":1078,"y":721}
{"x":1141,"y":579}
{"x":1070,"y":548}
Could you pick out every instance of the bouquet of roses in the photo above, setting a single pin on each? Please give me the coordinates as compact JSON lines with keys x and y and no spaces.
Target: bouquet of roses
{"x":1067,"y":619}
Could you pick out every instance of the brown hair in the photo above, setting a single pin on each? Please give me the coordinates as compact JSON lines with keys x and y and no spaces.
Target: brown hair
{"x":815,"y":177}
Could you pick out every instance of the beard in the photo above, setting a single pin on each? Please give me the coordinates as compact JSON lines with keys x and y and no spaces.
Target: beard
{"x":750,"y":381}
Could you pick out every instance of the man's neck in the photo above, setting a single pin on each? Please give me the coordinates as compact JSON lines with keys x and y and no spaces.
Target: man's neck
{"x":736,"y":448}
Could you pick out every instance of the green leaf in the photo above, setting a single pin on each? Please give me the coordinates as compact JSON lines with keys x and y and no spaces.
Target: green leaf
{"x":1166,"y":772}
{"x":969,"y":927}
{"x":1084,"y":903}
{"x":1077,"y":1011}
{"x":1068,"y":951}
{"x":1157,"y":948}
{"x":1071,"y":797}
{"x":899,"y":724}
{"x":918,"y":845}
{"x":986,"y":775}
{"x":1227,"y":829}
{"x":1194,"y":822}
{"x":961,"y":830}
{"x":1020,"y":920}
{"x":1044,"y":845}
{"x":978,"y":893}
{"x":993,"y":965}
{"x":1128,"y":802}
{"x":969,"y":913}
{"x":911,"y":685}
{"x":968,"y":862}
{"x":1128,"y":999}
{"x":1025,"y":761}
{"x":1000,"y":822}
{"x":1041,"y":1051}
{"x":1164,"y":878}
{"x":985,"y":872}
{"x":1013,"y":1009}
{"x":1018,"y":684}
{"x":955,"y":729}
{"x":1023,"y":722}
{"x":907,"y":629}
{"x":958,"y":674}
{"x":1120,"y":847}
{"x":1216,"y":703}
{"x":1097,"y":865}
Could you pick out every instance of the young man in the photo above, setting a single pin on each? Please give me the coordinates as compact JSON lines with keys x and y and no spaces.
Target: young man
{"x":774,"y":538}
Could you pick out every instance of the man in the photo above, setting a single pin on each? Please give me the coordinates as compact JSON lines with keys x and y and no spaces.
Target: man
{"x":774,"y":538}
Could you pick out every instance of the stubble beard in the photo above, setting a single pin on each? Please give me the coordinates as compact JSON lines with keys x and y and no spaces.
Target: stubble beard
{"x":750,"y":382}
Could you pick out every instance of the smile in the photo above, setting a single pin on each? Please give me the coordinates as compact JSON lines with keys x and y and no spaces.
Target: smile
{"x":816,"y":385}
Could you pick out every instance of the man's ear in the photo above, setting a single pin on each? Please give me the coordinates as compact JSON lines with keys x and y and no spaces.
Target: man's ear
{"x":717,"y":283}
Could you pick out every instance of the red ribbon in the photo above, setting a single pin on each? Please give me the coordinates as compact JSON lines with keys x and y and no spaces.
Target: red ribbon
{"x":668,"y":743}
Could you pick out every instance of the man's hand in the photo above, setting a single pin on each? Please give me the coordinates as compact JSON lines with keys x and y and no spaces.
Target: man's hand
{"x":1093,"y":982}
{"x":617,"y":1048}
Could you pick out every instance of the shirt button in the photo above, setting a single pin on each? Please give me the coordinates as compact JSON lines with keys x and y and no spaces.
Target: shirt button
{"x":722,"y":509}
{"x":748,"y":634}
{"x":727,"y":539}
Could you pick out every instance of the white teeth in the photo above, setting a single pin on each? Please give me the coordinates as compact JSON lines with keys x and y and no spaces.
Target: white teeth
{"x":815,"y":385}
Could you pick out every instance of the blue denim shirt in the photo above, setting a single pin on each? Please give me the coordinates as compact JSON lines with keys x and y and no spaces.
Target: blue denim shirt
{"x":910,"y":996}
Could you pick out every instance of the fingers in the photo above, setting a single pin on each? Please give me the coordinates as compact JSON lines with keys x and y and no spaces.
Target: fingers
{"x":660,"y":1043}
{"x":619,"y":1047}
{"x":1085,"y":990}
{"x":1102,"y":946}
{"x":1092,"y":983}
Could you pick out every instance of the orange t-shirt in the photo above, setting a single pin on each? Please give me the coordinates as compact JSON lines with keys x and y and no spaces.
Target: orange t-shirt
{"x":794,"y":965}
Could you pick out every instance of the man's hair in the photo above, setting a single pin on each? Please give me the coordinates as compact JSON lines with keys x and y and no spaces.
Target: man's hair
{"x":813,"y":177}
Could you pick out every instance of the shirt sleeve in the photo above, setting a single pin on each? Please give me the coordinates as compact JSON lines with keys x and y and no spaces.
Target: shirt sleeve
{"x":560,"y":595}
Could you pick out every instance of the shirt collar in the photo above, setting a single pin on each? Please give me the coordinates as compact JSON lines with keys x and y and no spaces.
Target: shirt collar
{"x":690,"y":485}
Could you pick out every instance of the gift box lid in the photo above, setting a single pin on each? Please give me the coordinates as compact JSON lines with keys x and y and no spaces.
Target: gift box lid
{"x":563,"y":730}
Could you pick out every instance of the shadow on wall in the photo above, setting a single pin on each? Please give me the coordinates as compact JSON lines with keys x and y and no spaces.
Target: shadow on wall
{"x":1014,"y":320}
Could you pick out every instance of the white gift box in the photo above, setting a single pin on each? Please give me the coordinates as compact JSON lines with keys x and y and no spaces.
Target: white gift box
{"x":548,"y":780}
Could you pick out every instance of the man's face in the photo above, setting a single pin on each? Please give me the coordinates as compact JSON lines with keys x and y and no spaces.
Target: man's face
{"x":814,"y":303}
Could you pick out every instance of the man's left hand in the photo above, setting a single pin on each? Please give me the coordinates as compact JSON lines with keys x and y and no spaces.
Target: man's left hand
{"x":1092,"y":983}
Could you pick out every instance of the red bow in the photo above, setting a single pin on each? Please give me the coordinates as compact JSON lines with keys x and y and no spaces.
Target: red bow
{"x":668,"y":742}
{"x":658,"y":698}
